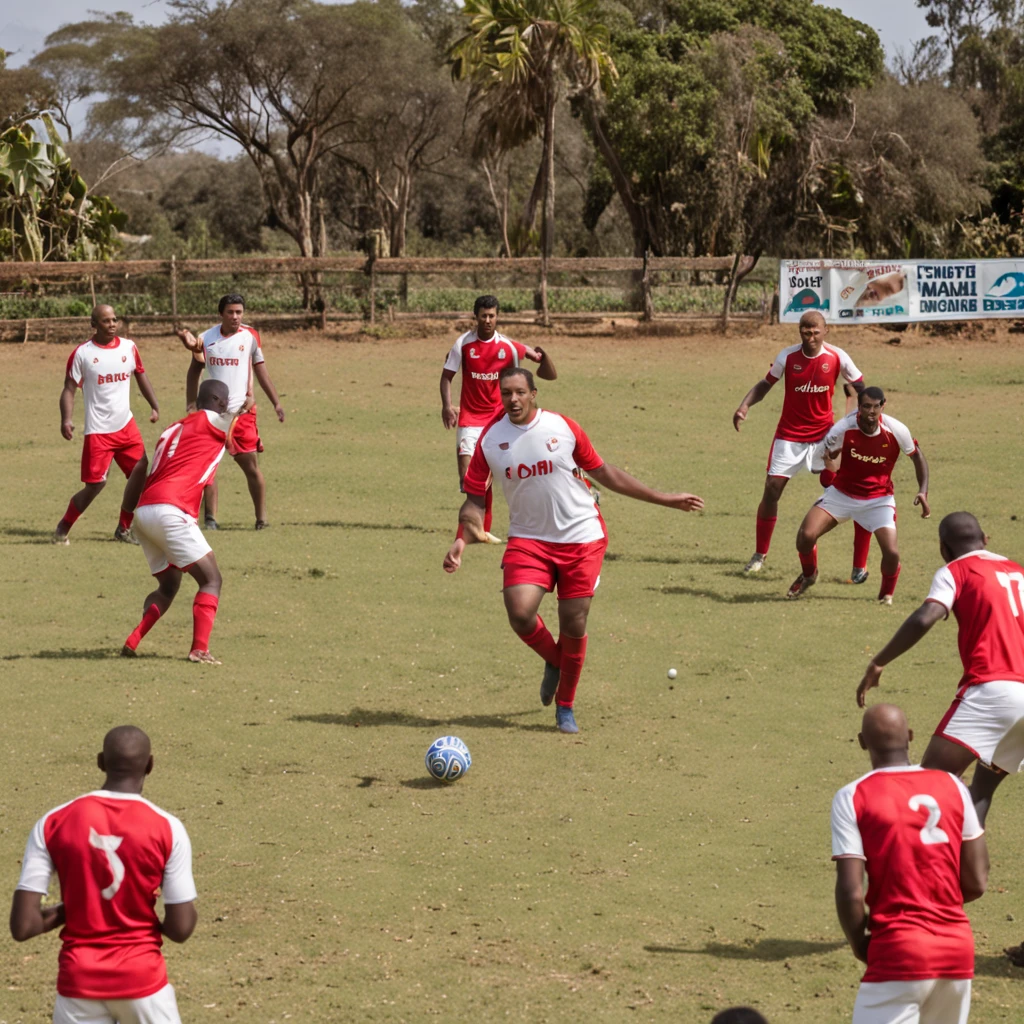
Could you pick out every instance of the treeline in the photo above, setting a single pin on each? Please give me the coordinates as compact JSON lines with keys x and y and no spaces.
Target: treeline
{"x":577,"y":127}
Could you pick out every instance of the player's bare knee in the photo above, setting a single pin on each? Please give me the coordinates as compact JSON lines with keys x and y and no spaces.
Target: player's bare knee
{"x":522,"y":622}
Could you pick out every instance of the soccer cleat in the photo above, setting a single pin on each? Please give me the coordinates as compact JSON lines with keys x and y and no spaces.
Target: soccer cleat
{"x":858,"y":575}
{"x":549,"y":684}
{"x":61,"y":538}
{"x":124,"y":536}
{"x":202,"y":658}
{"x":129,"y":652}
{"x":756,"y":564}
{"x":885,"y":599}
{"x":210,"y":524}
{"x":489,"y":538}
{"x":565,"y":720}
{"x":261,"y":524}
{"x":801,"y":584}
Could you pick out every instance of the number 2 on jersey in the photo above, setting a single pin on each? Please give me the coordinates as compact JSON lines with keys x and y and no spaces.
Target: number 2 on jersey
{"x":109,"y":845}
{"x":1006,"y":581}
{"x":931,"y":834}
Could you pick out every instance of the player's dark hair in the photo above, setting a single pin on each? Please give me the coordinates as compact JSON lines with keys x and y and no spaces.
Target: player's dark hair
{"x":517,"y":371}
{"x":876,"y":394}
{"x":231,"y":299}
{"x":739,"y":1015}
{"x":485,"y":302}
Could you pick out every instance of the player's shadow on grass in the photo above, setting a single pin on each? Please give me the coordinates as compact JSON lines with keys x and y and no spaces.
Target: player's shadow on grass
{"x":765,"y":950}
{"x":711,"y":595}
{"x":997,"y":967}
{"x":671,"y":559}
{"x":337,"y":524}
{"x":370,"y":718}
{"x":28,"y":535}
{"x":83,"y":654}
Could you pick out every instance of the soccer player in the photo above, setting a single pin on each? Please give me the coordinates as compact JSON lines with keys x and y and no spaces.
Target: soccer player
{"x":811,"y":370}
{"x":232,"y":353}
{"x":985,"y":722}
{"x":556,"y":534}
{"x":111,"y":850}
{"x":103,"y":368}
{"x":482,"y":354}
{"x":916,"y":833}
{"x":185,"y":459}
{"x":869,"y":444}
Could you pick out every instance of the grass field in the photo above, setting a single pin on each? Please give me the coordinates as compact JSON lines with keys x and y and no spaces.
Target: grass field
{"x":671,"y":860}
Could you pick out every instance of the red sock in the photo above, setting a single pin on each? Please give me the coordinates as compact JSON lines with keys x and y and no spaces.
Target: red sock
{"x":765,"y":529}
{"x":809,"y":563}
{"x":71,"y":516}
{"x":573,"y":650}
{"x":149,"y":617}
{"x":488,"y":502}
{"x":204,"y":611}
{"x":888,"y":587}
{"x":543,"y":643}
{"x":125,"y":519}
{"x":861,"y":546}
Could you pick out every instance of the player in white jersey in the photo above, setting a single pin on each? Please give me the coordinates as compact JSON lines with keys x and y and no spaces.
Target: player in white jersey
{"x":556,"y":533}
{"x":103,"y":368}
{"x":232,"y":353}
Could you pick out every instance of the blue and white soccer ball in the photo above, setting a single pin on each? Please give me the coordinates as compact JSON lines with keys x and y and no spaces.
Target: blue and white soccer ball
{"x":448,"y":759}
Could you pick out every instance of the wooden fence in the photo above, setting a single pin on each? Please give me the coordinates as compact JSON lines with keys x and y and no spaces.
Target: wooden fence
{"x":371,"y":272}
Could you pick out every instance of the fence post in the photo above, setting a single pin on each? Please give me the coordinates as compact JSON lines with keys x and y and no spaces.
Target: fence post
{"x":645,"y":289}
{"x":92,"y":289}
{"x":544,"y":316}
{"x":373,"y":287}
{"x":174,"y":291}
{"x":727,"y":304}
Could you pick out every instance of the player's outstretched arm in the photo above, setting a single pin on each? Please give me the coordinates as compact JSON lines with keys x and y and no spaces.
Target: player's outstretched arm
{"x":191,"y":342}
{"x":921,"y":468}
{"x":148,"y":394}
{"x":449,"y":412}
{"x":192,"y":378}
{"x":546,"y":370}
{"x":471,"y":519}
{"x":850,"y":905}
{"x":973,"y":869}
{"x":259,"y":371}
{"x":67,"y":408}
{"x":180,"y":920}
{"x":913,"y":628}
{"x":30,"y":918}
{"x":752,"y":397}
{"x":621,"y":482}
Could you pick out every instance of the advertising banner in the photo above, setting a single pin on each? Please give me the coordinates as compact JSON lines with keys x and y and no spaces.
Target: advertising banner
{"x":901,"y":291}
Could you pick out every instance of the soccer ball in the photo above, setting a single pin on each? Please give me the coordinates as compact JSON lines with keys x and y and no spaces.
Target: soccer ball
{"x":448,"y":758}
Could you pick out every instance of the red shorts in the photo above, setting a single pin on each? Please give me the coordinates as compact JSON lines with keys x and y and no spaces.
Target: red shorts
{"x":124,"y":446}
{"x":575,"y":568}
{"x":245,"y":435}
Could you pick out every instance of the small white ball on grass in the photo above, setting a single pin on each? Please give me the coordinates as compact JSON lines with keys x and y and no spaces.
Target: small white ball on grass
{"x":672,"y":673}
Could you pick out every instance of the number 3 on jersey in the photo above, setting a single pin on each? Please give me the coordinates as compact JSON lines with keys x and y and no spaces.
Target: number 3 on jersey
{"x":931,"y":834}
{"x":109,"y":845}
{"x":1006,"y":581}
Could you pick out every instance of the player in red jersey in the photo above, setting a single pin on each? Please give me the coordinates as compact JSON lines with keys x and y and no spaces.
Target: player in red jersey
{"x":103,"y":368}
{"x":985,"y":722}
{"x":811,"y":371}
{"x":869,"y":444}
{"x":184,"y":461}
{"x":481,"y":354}
{"x":916,"y":833}
{"x":556,"y":533}
{"x":232,"y":353}
{"x":111,"y":850}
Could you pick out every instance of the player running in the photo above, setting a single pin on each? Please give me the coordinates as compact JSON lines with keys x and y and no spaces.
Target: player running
{"x":985,"y":722}
{"x":111,"y":850}
{"x":482,"y":354}
{"x":556,"y":534}
{"x":916,"y":832}
{"x":185,"y":459}
{"x":103,"y":368}
{"x":232,"y":353}
{"x":869,"y":444}
{"x":811,"y":370}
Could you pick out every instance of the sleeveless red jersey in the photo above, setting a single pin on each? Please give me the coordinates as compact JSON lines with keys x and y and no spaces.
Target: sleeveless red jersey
{"x":111,"y":852}
{"x":868,"y":459}
{"x":185,"y":460}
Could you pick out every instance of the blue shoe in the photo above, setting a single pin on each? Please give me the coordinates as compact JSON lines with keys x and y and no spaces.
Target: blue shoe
{"x":565,"y":720}
{"x":549,"y":684}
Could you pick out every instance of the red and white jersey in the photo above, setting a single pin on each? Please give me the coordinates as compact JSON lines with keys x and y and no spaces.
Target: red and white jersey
{"x":111,"y":852}
{"x":868,"y":459}
{"x":985,"y":592}
{"x":538,"y":466}
{"x":810,"y":383}
{"x":481,"y":362}
{"x":104,"y":373}
{"x":185,"y":460}
{"x":908,"y":824}
{"x":231,"y":359}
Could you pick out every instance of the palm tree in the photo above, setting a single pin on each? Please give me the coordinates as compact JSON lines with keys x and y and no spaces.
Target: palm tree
{"x":519,"y":56}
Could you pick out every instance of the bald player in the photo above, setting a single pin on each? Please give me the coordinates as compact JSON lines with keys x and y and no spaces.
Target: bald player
{"x":915,"y":832}
{"x":811,"y":370}
{"x":985,"y":722}
{"x":103,"y":368}
{"x":111,"y":850}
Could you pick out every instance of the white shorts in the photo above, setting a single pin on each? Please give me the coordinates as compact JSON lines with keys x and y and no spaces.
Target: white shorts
{"x":168,"y":537}
{"x":788,"y":458}
{"x":870,"y":513}
{"x":159,"y":1008}
{"x":988,"y":719}
{"x":933,"y":1001}
{"x":466,"y":439}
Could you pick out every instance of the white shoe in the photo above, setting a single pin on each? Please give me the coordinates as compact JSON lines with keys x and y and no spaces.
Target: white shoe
{"x":489,"y":538}
{"x":885,"y":600}
{"x":756,"y":564}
